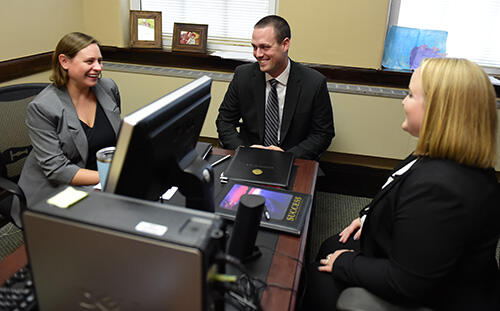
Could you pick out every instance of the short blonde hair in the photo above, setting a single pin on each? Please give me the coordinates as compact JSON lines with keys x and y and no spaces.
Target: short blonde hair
{"x":69,"y":45}
{"x":460,"y":121}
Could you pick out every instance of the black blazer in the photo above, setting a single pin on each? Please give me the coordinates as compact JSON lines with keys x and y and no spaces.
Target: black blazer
{"x":430,"y":237}
{"x":307,"y":123}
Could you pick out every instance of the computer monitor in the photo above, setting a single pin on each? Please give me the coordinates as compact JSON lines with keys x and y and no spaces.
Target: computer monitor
{"x":156,"y":149}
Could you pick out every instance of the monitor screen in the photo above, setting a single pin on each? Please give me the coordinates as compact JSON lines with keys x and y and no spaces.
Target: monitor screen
{"x":156,"y":149}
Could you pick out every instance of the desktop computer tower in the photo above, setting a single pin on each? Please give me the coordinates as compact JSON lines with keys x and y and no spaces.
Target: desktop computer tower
{"x":109,"y":252}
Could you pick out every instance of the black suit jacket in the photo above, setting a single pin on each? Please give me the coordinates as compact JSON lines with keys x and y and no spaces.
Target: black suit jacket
{"x":307,"y":123}
{"x":430,"y":238}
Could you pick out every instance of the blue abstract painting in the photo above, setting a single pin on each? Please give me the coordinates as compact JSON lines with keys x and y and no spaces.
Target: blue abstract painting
{"x":405,"y":47}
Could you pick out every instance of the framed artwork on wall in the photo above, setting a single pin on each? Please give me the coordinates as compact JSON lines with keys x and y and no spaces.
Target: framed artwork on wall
{"x":190,"y":38}
{"x":145,"y":29}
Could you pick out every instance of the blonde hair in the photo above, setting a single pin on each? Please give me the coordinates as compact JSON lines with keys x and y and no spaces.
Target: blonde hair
{"x":69,"y":45}
{"x":460,"y":121}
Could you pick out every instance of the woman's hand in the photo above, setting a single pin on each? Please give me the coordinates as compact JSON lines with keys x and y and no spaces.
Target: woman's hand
{"x":355,"y":226}
{"x":327,"y":263}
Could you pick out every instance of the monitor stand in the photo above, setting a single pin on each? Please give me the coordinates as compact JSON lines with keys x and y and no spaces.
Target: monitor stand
{"x":196,"y":183}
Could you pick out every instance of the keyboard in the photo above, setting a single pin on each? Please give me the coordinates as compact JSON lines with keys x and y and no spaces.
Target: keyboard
{"x":18,"y":292}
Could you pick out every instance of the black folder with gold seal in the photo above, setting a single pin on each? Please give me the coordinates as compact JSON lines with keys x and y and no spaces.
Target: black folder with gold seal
{"x":262,"y":166}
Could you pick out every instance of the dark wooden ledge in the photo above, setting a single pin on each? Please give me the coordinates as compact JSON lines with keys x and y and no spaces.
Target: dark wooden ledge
{"x":25,"y":66}
{"x":341,"y":74}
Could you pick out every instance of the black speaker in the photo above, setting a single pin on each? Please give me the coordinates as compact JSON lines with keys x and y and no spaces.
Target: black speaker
{"x":246,"y":224}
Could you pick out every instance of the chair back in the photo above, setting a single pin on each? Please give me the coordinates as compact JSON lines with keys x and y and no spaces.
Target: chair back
{"x":15,"y":143}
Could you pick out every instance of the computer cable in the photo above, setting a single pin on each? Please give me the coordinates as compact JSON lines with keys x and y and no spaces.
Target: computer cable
{"x":276,"y":285}
{"x":243,"y":291}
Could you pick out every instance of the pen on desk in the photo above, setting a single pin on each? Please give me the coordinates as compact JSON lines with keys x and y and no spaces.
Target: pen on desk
{"x":223,"y":179}
{"x":221,"y":160}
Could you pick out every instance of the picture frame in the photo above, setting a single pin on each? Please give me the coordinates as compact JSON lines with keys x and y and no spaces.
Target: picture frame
{"x":190,"y":38}
{"x":145,"y":29}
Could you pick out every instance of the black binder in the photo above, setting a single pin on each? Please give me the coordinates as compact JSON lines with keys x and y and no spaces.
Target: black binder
{"x":286,"y":210}
{"x":262,"y":166}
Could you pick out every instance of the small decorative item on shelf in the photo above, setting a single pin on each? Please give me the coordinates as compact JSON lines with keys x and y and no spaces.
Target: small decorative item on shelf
{"x":145,"y":29}
{"x":190,"y":38}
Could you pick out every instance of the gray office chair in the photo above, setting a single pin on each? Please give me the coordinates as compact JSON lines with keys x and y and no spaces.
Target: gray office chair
{"x":359,"y":299}
{"x":15,"y":146}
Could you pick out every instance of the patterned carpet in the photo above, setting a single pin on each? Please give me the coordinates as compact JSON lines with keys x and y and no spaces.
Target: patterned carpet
{"x":331,"y":213}
{"x":10,"y":239}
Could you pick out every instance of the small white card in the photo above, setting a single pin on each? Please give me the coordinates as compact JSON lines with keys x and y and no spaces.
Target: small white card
{"x":67,"y":197}
{"x":169,"y":193}
{"x":150,"y":228}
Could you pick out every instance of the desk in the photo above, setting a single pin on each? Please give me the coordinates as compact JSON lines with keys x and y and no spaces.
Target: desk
{"x":284,"y":270}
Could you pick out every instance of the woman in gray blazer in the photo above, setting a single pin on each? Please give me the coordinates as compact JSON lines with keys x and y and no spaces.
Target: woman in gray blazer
{"x":70,"y":120}
{"x":429,"y":236}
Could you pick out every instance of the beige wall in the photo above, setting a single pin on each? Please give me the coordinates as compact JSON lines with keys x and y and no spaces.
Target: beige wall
{"x":33,"y":26}
{"x":347,"y":33}
{"x":107,"y":21}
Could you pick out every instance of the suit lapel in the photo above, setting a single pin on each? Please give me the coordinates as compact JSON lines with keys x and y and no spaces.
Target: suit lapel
{"x":108,"y":105}
{"x":74,"y":126}
{"x":293,"y":88}
{"x":259,"y":93}
{"x":396,"y":179}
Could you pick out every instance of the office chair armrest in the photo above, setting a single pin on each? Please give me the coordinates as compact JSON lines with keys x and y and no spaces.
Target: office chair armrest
{"x":359,"y":299}
{"x":15,"y":190}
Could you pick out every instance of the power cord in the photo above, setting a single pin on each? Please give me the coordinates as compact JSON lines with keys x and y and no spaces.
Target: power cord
{"x":303,"y":273}
{"x":243,"y":291}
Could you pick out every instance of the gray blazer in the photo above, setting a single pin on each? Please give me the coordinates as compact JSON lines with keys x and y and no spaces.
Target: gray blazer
{"x":60,"y":146}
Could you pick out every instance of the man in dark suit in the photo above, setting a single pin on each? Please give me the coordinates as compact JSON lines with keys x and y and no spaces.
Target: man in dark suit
{"x":303,"y":117}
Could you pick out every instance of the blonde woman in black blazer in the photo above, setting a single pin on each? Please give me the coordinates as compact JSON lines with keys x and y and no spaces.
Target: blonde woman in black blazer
{"x":70,"y":120}
{"x":429,"y":236}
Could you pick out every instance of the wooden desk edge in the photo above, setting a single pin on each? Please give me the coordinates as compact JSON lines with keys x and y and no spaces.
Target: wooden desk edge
{"x":12,"y":263}
{"x":293,"y":246}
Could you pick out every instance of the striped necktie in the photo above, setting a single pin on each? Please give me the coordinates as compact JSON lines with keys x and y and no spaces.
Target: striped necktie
{"x":272,"y":116}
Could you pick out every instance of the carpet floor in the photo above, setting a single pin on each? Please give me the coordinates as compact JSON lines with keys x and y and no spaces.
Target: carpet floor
{"x":11,"y":237}
{"x":330,"y":214}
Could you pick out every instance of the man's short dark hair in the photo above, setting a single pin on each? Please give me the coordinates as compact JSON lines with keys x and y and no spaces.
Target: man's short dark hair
{"x":280,"y":25}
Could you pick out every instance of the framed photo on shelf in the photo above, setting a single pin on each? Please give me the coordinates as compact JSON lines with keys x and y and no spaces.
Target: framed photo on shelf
{"x":145,"y":29}
{"x":190,"y":38}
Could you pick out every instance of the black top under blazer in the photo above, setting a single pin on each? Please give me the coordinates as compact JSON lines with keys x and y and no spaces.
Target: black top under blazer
{"x":430,"y":236}
{"x":307,"y":123}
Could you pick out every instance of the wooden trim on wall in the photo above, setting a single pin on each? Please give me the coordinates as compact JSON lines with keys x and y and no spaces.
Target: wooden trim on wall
{"x":351,"y":75}
{"x":169,"y":59}
{"x":359,"y":160}
{"x":24,"y":66}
